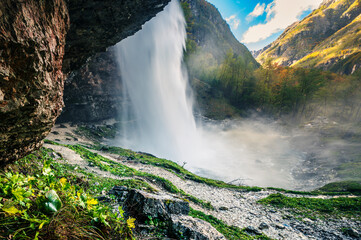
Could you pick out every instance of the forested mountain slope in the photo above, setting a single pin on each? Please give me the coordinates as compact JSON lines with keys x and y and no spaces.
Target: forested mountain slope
{"x":329,"y":39}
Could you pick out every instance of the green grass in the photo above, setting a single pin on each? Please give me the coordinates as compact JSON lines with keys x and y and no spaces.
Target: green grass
{"x":352,"y":187}
{"x":313,"y":207}
{"x":230,"y":232}
{"x":121,"y":170}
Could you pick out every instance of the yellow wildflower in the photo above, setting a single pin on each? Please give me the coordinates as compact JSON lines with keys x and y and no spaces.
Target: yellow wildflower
{"x":130,"y":222}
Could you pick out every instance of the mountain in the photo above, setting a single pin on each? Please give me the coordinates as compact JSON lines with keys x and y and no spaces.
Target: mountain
{"x":329,"y":38}
{"x":209,"y":36}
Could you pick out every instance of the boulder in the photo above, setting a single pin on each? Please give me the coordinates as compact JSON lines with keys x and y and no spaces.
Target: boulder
{"x":186,"y":227}
{"x":143,"y":205}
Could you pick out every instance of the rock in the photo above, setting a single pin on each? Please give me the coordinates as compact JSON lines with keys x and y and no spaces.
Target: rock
{"x":142,"y":205}
{"x":32,"y":43}
{"x":103,"y":198}
{"x":186,"y":227}
{"x":223,"y":209}
{"x":263,"y":226}
{"x":278,"y":226}
{"x":351,"y":232}
{"x":252,"y":231}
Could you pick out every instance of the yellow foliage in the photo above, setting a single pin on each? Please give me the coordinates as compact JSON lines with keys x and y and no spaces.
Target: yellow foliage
{"x":62,"y":181}
{"x":11,"y":210}
{"x":130,"y":223}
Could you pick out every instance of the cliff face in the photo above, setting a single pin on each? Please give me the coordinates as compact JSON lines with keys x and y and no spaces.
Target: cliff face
{"x":33,"y":42}
{"x":329,"y":38}
{"x":94,"y":92}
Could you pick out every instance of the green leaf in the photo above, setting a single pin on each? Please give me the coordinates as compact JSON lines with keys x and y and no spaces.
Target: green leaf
{"x":50,"y":203}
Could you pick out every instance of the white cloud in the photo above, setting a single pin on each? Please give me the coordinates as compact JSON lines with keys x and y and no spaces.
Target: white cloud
{"x":230,"y":18}
{"x":233,"y":21}
{"x":280,"y":14}
{"x":259,"y":10}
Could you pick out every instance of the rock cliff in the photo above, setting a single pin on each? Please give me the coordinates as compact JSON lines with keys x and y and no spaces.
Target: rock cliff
{"x":94,"y":92}
{"x":32,"y":42}
{"x":36,"y":39}
{"x":329,"y":38}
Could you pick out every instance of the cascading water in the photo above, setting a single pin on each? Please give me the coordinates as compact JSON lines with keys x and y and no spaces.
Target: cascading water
{"x":159,"y":118}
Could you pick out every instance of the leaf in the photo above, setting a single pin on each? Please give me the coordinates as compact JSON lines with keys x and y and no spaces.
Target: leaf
{"x":62,"y":181}
{"x":36,"y":235}
{"x":18,"y":193}
{"x":11,"y":210}
{"x":30,"y":178}
{"x":121,"y":211}
{"x":50,"y":203}
{"x":41,"y":225}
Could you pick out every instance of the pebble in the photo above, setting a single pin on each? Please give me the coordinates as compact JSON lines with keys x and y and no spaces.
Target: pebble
{"x":263,"y":225}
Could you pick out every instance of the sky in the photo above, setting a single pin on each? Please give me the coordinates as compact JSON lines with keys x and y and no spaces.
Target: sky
{"x":256,"y":23}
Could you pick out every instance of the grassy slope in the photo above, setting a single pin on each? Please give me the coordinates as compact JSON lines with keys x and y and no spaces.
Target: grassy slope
{"x":344,"y":43}
{"x":313,"y":47}
{"x":316,"y":207}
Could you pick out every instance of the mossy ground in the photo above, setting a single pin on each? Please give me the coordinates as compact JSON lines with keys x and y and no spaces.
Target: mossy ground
{"x":316,"y":207}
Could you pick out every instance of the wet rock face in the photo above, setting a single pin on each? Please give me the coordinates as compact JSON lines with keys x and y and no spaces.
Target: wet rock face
{"x":32,"y":42}
{"x":98,"y":24}
{"x":94,"y":92}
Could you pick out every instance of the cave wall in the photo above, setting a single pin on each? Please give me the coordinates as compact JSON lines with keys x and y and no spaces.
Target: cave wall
{"x":98,"y":24}
{"x":39,"y":40}
{"x":32,"y":43}
{"x":94,"y":92}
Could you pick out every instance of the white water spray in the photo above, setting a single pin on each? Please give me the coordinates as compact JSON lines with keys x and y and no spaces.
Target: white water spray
{"x":158,"y":118}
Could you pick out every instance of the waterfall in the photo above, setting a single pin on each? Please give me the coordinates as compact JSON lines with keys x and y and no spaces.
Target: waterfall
{"x":159,"y":118}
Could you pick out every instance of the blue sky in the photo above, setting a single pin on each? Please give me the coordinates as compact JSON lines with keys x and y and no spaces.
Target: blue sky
{"x":257,"y":23}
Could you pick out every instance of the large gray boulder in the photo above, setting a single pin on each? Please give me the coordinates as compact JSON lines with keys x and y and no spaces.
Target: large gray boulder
{"x":143,"y":205}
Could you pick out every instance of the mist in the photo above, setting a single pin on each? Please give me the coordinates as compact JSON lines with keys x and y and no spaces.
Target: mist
{"x":158,"y":118}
